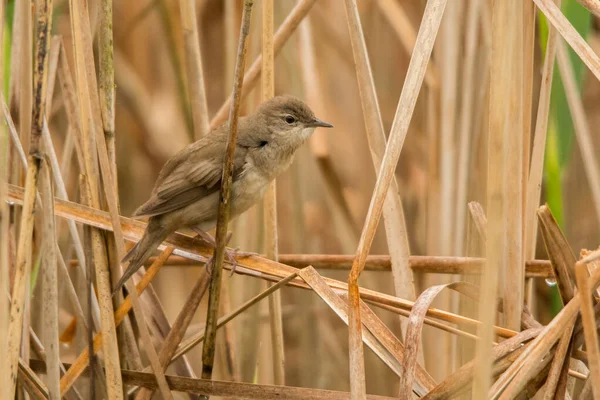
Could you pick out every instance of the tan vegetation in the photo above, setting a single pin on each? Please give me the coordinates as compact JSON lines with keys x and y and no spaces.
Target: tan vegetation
{"x":449,"y":130}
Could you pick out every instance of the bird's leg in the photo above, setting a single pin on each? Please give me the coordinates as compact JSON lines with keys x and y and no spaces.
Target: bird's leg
{"x":207,"y":237}
{"x":230,"y":254}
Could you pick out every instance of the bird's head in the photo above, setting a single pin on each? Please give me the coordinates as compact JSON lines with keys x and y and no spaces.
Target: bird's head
{"x":290,"y":120}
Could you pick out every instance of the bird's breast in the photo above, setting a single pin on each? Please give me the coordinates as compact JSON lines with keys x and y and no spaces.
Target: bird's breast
{"x":274,"y":159}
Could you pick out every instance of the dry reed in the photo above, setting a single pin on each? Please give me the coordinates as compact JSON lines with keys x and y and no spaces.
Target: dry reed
{"x":123,"y":85}
{"x":208,"y":349}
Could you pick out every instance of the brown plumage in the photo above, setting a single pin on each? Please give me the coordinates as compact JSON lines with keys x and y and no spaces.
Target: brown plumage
{"x":186,"y":193}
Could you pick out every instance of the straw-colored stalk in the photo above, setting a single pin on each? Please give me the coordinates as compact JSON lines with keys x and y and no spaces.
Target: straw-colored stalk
{"x":516,"y":134}
{"x":87,"y":289}
{"x":193,"y":63}
{"x":230,"y":35}
{"x":71,"y":106}
{"x":50,"y":284}
{"x":106,"y":83}
{"x":53,"y":60}
{"x":589,"y":325}
{"x":408,"y":98}
{"x":582,"y":129}
{"x":4,"y":249}
{"x":270,"y":199}
{"x":591,"y":257}
{"x":23,"y":17}
{"x":559,"y":366}
{"x":208,"y":349}
{"x":441,"y":354}
{"x":465,"y":131}
{"x":382,"y":263}
{"x":433,"y":176}
{"x":32,"y":115}
{"x":449,"y":58}
{"x":76,"y":302}
{"x":32,"y":384}
{"x":570,"y":34}
{"x":53,"y":57}
{"x":561,"y":257}
{"x":21,"y":277}
{"x":207,"y":387}
{"x":4,"y":223}
{"x":591,"y":266}
{"x":534,"y":182}
{"x":528,"y":55}
{"x":497,"y":246}
{"x":15,"y":58}
{"x":479,"y":219}
{"x":70,"y":146}
{"x":252,"y":220}
{"x":393,"y":214}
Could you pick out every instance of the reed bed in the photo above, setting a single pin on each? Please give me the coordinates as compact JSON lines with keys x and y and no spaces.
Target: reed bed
{"x":466,"y":127}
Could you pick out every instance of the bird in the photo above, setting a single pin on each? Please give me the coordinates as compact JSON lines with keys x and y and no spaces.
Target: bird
{"x":186,"y":192}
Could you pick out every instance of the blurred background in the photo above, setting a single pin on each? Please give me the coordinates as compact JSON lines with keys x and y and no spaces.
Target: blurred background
{"x":323,"y":198}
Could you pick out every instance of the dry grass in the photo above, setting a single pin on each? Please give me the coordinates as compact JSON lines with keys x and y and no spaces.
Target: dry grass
{"x":458,"y":126}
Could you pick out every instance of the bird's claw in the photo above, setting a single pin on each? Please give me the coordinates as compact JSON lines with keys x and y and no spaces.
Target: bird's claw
{"x":231,"y":258}
{"x":232,"y":254}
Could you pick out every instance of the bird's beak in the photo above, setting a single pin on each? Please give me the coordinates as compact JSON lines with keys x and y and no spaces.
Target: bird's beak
{"x":317,"y":122}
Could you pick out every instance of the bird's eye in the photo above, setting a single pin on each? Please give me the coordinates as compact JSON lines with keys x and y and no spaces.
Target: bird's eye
{"x":289,"y":119}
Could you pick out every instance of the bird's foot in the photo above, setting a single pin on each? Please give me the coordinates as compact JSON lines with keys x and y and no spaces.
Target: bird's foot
{"x":230,"y":254}
{"x":232,"y":257}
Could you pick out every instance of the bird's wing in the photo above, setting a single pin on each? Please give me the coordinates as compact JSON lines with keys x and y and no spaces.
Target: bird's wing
{"x":195,"y":172}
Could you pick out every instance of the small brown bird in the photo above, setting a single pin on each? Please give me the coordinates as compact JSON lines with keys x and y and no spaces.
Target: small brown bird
{"x":186,"y":193}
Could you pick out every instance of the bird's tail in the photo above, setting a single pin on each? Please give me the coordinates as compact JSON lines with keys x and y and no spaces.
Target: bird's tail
{"x":153,"y":236}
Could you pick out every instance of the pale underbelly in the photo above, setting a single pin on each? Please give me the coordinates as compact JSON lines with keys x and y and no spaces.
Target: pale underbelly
{"x":203,"y":213}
